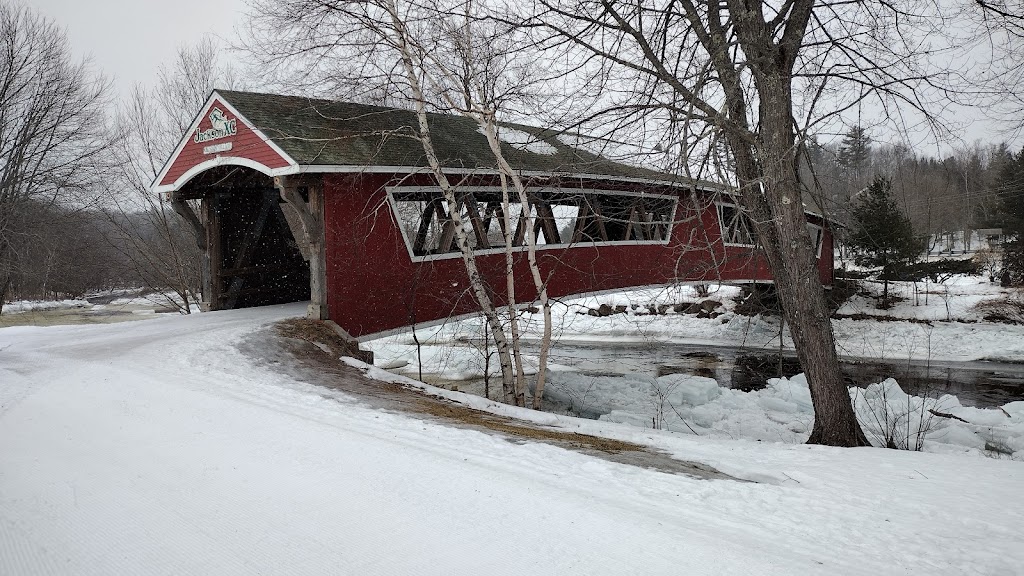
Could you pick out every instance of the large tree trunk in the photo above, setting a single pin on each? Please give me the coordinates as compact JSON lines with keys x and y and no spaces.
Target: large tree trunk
{"x":775,"y":200}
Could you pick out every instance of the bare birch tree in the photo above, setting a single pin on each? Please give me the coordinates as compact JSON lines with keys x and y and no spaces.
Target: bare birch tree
{"x":472,"y":78}
{"x":448,"y":60}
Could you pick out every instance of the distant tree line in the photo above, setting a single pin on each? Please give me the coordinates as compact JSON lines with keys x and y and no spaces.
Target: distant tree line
{"x":59,"y":252}
{"x":1010,"y":189}
{"x":892,"y":200}
{"x":958,"y":193}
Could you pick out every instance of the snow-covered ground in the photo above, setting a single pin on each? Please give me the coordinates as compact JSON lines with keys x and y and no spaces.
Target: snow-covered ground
{"x":159,"y":448}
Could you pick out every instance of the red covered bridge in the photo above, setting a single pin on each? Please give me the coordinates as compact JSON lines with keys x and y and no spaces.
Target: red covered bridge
{"x":332,"y":202}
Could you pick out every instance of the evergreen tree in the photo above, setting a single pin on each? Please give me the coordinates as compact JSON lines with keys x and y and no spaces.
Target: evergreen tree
{"x":881,"y":235}
{"x":854,"y":159}
{"x":855,"y":152}
{"x":1010,"y":188}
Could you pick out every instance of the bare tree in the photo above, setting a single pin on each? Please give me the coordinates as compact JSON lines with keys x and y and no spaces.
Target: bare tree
{"x":474,"y":77}
{"x":762,"y":75}
{"x":1002,"y":34}
{"x":52,"y":129}
{"x":162,"y":240}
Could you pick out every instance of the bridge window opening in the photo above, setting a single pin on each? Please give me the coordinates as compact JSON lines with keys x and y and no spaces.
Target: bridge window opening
{"x":560,"y":218}
{"x":737,"y":228}
{"x":816,"y":234}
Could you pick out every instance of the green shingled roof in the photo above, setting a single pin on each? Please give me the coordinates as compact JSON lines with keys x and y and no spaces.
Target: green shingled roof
{"x":325,"y":132}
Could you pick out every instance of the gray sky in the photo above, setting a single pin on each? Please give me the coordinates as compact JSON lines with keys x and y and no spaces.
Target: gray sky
{"x":129,"y":39}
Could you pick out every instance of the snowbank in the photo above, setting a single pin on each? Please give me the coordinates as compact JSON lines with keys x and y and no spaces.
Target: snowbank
{"x":20,"y":306}
{"x":782,"y":411}
{"x":906,"y":331}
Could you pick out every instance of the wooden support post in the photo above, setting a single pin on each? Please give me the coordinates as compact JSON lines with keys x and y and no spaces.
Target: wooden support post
{"x":546,"y":221}
{"x":212,"y":262}
{"x":499,"y":214}
{"x":519,"y":237}
{"x":311,"y":215}
{"x":184,"y":209}
{"x":644,"y":221}
{"x":581,"y":221}
{"x":490,"y":211}
{"x":447,"y":242}
{"x":595,"y":204}
{"x":482,"y":241}
{"x":419,"y":246}
{"x":318,"y":255}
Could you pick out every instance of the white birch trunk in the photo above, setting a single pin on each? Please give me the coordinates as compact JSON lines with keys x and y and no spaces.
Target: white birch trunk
{"x":510,"y":283}
{"x":490,"y":131}
{"x":468,"y":257}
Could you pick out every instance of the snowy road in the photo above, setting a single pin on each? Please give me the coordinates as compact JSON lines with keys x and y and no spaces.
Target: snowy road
{"x":158,"y":448}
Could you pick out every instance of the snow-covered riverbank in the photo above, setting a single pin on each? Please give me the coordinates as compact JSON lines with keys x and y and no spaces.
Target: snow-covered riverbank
{"x":946,"y":322}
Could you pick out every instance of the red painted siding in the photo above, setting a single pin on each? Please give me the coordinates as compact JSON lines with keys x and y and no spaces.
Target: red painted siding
{"x":244,"y":144}
{"x":374,"y":285}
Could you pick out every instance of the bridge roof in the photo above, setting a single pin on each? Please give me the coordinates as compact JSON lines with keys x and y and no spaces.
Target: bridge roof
{"x":325,"y":132}
{"x":300,"y":134}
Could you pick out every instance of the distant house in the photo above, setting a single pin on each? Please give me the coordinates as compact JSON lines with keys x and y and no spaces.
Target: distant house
{"x":333,"y":202}
{"x":991,"y":235}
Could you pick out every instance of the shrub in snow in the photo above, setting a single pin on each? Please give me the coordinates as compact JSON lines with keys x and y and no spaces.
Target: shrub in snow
{"x":891,"y":418}
{"x":1009,"y":309}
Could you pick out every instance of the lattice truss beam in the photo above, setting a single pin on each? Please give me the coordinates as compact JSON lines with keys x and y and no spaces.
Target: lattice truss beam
{"x":560,"y":218}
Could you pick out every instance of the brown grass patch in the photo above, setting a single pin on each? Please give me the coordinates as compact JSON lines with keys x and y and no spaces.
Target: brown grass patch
{"x":880,"y":318}
{"x":321,"y":334}
{"x":319,"y":362}
{"x":472,"y":417}
{"x":1009,"y":310}
{"x":318,"y":332}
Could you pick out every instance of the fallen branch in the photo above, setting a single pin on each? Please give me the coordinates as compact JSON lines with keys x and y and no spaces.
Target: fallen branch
{"x":946,"y":415}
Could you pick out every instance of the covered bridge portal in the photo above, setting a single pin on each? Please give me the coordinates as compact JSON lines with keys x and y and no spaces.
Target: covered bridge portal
{"x":297,"y":199}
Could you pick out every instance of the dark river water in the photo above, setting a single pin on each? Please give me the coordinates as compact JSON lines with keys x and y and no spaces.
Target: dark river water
{"x":979,"y":384}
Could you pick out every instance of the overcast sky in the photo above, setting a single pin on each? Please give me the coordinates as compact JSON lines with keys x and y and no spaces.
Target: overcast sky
{"x":129,"y":39}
